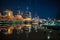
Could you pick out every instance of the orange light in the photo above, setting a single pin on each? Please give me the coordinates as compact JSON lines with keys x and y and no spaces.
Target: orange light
{"x":27,"y":19}
{"x":19,"y":17}
{"x":9,"y":31}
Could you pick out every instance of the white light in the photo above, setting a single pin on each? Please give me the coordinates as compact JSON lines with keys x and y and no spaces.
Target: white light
{"x":50,"y":31}
{"x":48,"y":37}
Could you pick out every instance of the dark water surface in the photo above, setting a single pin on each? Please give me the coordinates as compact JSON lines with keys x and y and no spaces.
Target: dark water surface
{"x":40,"y":35}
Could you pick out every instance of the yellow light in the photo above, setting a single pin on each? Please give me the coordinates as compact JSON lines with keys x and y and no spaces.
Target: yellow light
{"x":9,"y":31}
{"x":27,"y":19}
{"x":29,"y":25}
{"x":19,"y":28}
{"x":9,"y":14}
{"x":19,"y":17}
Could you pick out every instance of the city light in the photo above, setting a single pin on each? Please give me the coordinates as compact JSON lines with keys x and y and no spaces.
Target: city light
{"x":19,"y":21}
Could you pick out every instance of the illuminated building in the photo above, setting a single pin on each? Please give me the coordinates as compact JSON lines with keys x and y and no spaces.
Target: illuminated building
{"x":35,"y":22}
{"x":27,"y":18}
{"x":19,"y":21}
{"x":19,"y":16}
{"x":9,"y":14}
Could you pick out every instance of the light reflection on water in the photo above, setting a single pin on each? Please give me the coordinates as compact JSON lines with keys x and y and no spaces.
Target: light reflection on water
{"x":19,"y":32}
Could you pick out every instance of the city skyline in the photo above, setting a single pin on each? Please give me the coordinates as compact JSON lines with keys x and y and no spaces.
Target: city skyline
{"x":43,"y":8}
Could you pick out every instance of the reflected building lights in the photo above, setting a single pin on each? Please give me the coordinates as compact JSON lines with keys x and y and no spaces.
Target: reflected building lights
{"x":19,"y":21}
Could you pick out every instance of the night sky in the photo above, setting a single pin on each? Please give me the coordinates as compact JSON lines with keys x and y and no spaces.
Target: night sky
{"x":43,"y":8}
